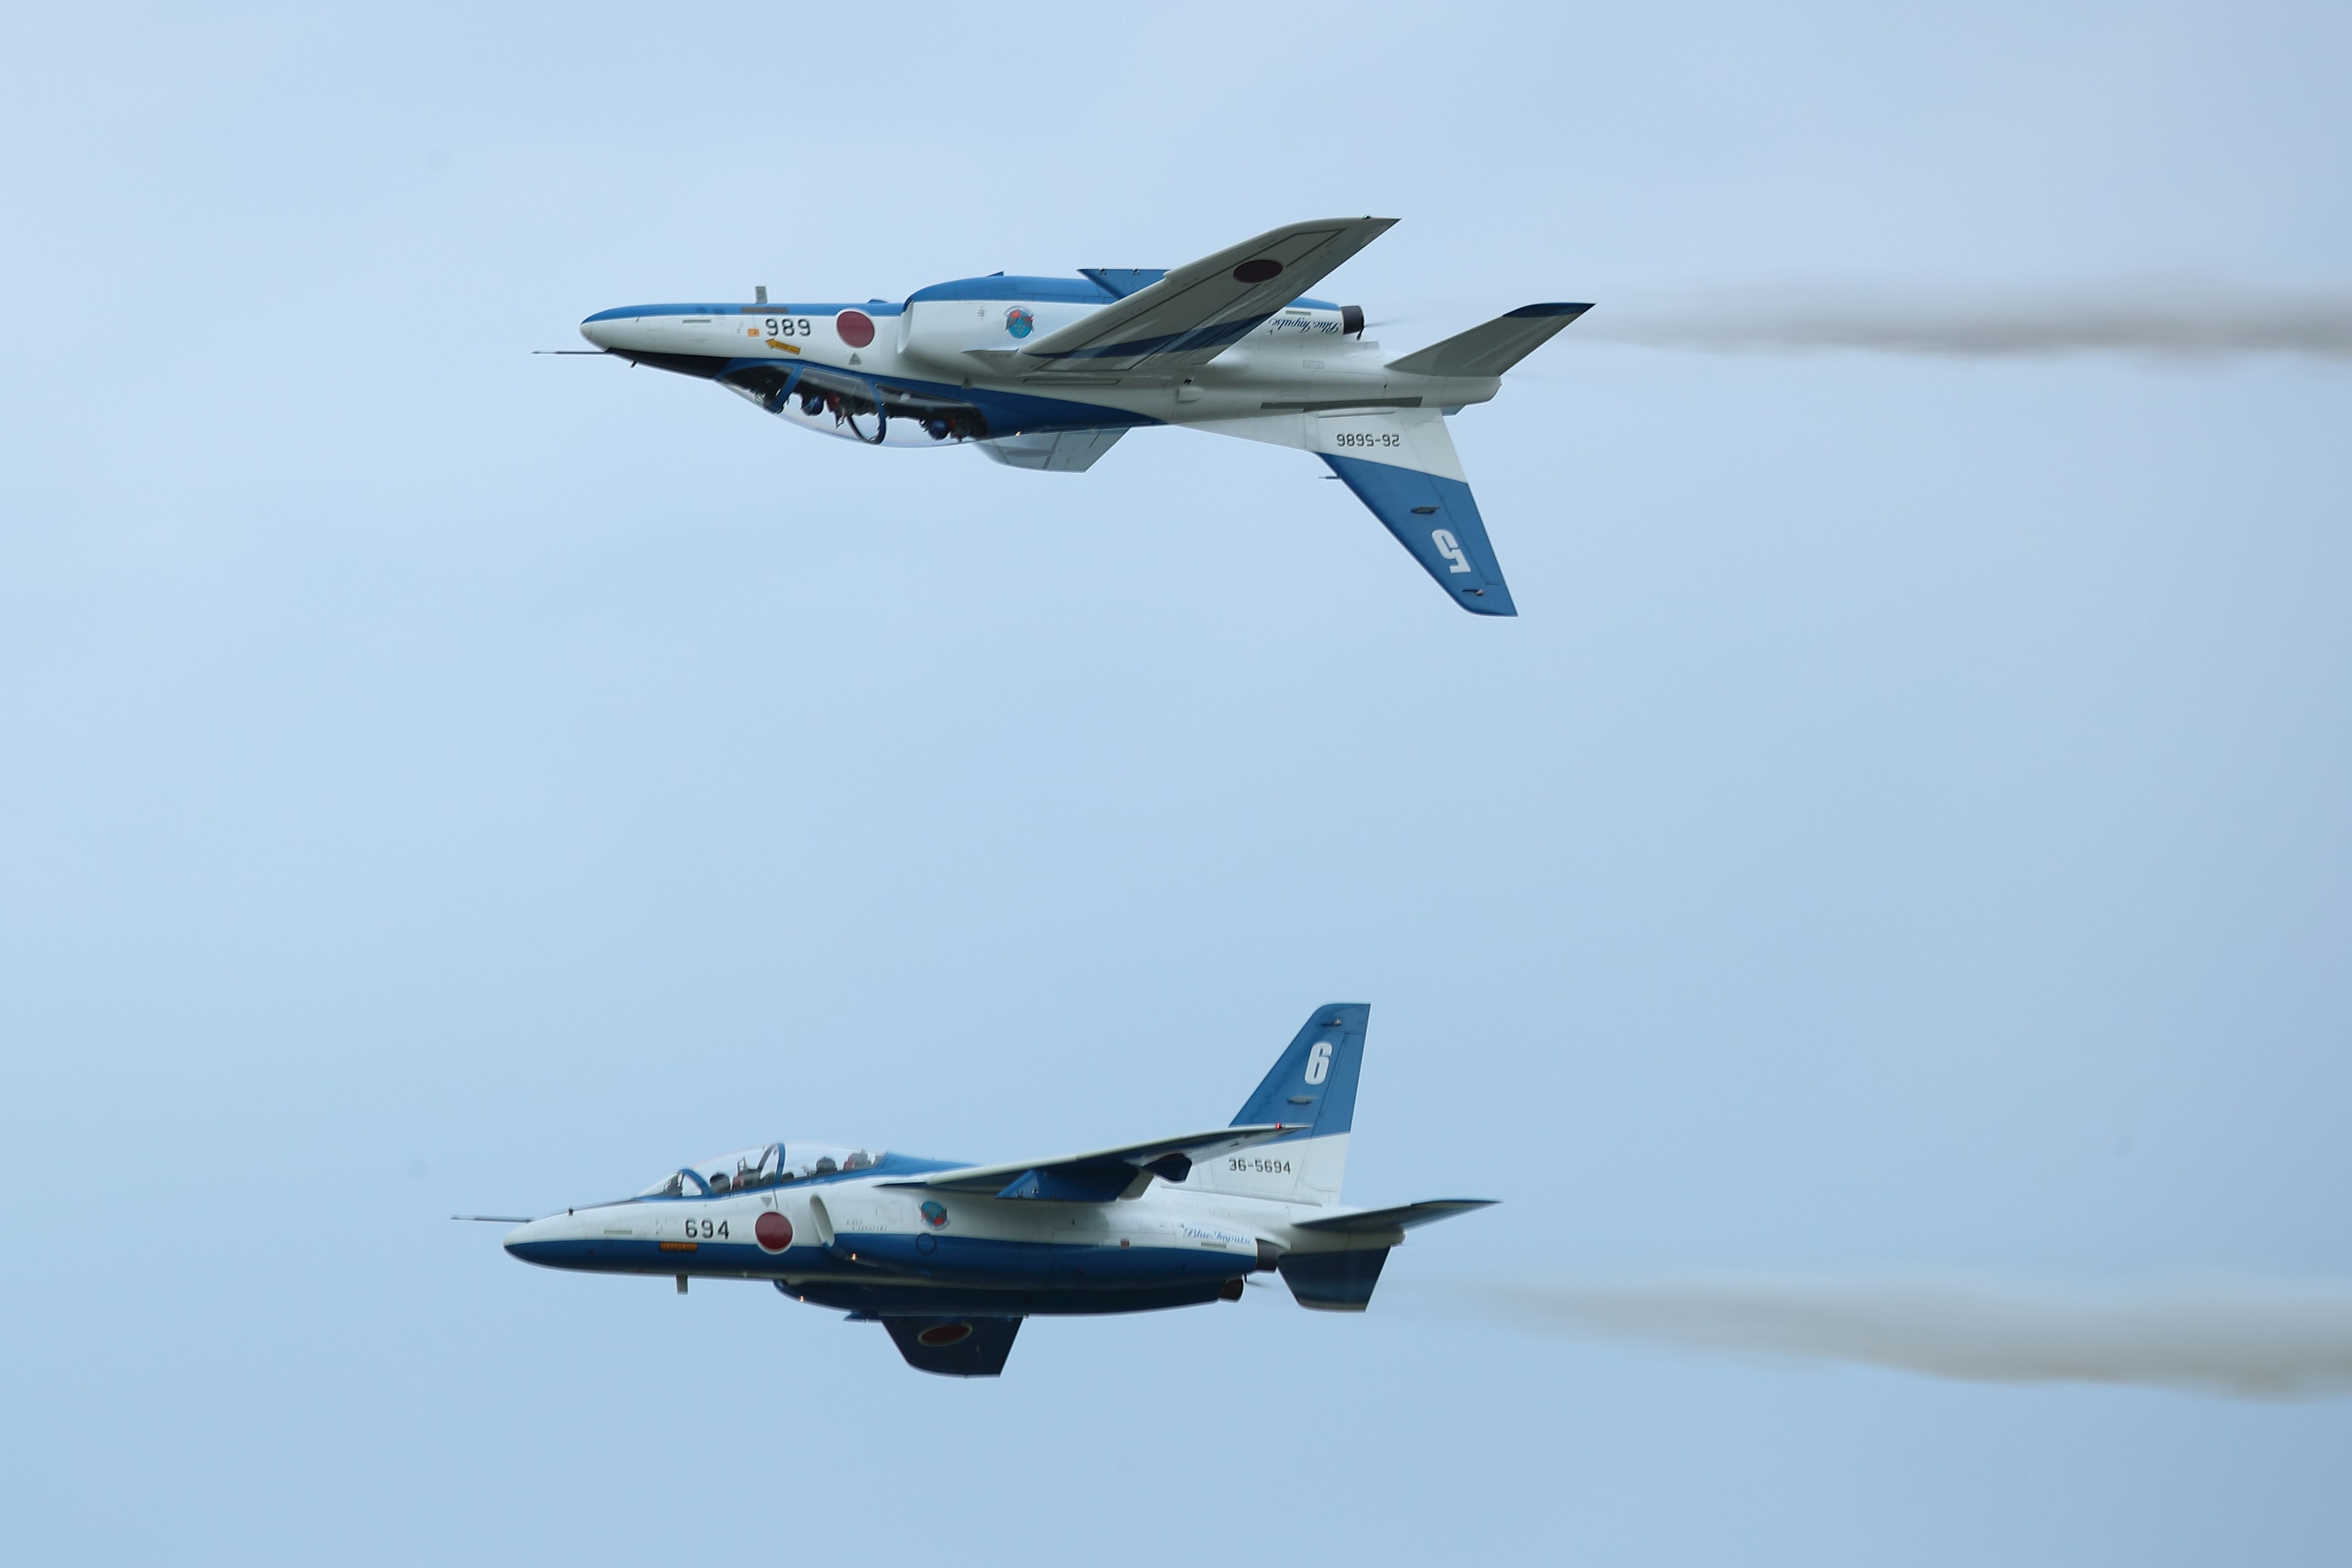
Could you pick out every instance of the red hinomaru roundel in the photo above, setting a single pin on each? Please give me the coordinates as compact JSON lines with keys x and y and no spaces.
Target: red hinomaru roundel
{"x":856,"y":327}
{"x":775,"y":1231}
{"x":939,"y":1334}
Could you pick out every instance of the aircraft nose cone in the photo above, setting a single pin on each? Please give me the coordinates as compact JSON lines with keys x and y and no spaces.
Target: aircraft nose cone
{"x":597,"y":331}
{"x":534,"y":1242}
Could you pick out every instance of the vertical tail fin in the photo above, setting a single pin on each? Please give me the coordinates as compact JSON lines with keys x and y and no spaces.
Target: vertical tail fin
{"x":1312,"y":1083}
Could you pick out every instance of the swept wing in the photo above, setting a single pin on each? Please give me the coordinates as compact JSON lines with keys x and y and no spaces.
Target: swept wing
{"x":1202,"y":308}
{"x":1098,"y":1175}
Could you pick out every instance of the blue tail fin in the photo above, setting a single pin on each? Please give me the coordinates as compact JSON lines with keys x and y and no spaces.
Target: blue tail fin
{"x":1313,"y":1083}
{"x":1313,"y":1088}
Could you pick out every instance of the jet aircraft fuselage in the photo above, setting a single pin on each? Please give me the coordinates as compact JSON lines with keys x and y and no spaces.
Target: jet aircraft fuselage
{"x":913,"y":362}
{"x":1048,"y":373}
{"x":863,"y":1234}
{"x":952,"y":1257}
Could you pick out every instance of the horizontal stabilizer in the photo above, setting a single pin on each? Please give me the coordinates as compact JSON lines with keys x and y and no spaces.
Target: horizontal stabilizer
{"x":1371,"y":1221}
{"x":1494,"y":348}
{"x":1099,"y":1176}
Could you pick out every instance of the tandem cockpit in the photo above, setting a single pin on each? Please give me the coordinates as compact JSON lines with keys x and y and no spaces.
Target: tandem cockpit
{"x":775,"y":1165}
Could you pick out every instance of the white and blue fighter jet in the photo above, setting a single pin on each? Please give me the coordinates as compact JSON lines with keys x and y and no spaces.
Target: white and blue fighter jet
{"x":950,"y":1257}
{"x":1048,"y":373}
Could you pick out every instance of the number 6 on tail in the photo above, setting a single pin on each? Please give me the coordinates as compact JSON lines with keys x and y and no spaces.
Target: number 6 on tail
{"x":1451,"y":548}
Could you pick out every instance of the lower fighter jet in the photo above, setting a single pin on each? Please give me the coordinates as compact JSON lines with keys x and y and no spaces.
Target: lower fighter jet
{"x":950,"y":1257}
{"x":1049,"y":373}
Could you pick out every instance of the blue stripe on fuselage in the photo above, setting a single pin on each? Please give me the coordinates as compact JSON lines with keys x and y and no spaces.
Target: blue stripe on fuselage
{"x":876,"y":1256}
{"x":1039,"y":290}
{"x":866,"y":1302}
{"x":627,"y":1255}
{"x":1019,"y":1265}
{"x":1007,"y":413}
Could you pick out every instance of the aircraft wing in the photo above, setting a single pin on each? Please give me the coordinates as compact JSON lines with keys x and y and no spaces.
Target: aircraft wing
{"x":1052,"y":451}
{"x":1098,"y":1175}
{"x":1202,"y":308}
{"x":1403,"y":1217}
{"x":954,"y":1347}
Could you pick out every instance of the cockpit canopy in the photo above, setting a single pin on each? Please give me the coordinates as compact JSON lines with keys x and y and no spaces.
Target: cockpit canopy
{"x":771,"y":1166}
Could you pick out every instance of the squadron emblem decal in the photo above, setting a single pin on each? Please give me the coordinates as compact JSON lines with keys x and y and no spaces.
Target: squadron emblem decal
{"x":935,"y":1213}
{"x":1019,"y":322}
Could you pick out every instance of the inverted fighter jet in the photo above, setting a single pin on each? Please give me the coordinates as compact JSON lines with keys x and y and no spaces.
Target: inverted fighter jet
{"x":1049,"y":373}
{"x":950,"y":1257}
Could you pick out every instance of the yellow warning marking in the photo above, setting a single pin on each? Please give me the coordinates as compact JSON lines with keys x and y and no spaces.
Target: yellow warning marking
{"x":788,"y":348}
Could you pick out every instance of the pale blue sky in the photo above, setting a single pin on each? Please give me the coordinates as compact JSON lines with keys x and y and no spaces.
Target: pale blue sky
{"x":1904,"y":828}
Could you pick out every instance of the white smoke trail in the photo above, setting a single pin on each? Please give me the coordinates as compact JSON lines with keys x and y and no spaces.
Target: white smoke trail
{"x":2251,"y":1340}
{"x":2184,"y":321}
